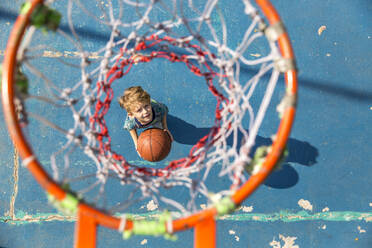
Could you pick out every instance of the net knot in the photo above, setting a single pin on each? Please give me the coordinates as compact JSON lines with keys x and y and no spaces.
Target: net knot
{"x":174,"y":58}
{"x":141,"y":46}
{"x":218,"y":115}
{"x":196,"y":70}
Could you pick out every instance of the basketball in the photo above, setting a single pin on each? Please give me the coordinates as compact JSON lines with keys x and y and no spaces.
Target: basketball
{"x":154,"y":144}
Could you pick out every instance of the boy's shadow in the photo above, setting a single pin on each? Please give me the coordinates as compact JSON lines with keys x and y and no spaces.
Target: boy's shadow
{"x":300,"y":152}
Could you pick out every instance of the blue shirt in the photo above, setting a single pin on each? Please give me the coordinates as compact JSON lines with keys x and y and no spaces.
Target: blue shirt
{"x":158,"y":112}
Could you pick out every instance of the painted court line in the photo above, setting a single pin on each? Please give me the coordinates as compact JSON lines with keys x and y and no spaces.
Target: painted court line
{"x":341,"y":216}
{"x":15,"y":183}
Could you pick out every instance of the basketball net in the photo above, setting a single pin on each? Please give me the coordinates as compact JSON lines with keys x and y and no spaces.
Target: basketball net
{"x":84,"y":164}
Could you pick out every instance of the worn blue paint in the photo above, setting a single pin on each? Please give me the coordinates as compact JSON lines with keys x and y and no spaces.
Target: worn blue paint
{"x":330,"y":158}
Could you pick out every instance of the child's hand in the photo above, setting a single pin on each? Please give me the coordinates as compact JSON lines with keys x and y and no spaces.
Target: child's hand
{"x":138,"y":152}
{"x":169,"y":133}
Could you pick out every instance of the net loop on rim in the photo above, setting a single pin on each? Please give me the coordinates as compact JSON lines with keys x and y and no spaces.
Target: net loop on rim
{"x":67,"y":206}
{"x":21,"y":93}
{"x":161,"y":226}
{"x":43,"y":17}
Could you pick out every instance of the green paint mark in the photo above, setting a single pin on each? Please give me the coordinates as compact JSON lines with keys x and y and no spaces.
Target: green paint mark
{"x":286,"y":216}
{"x":21,"y":217}
{"x":145,"y":163}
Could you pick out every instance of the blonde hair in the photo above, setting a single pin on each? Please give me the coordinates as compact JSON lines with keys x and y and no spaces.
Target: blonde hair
{"x":132,"y":96}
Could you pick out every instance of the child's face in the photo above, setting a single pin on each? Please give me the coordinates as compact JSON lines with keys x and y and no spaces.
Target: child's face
{"x":142,"y":112}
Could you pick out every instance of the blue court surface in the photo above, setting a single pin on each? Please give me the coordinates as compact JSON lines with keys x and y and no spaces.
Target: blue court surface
{"x":322,"y":195}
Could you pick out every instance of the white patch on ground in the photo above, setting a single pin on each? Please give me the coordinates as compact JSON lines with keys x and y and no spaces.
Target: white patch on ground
{"x":143,"y":242}
{"x":326,"y":209}
{"x":305,"y":204}
{"x":289,"y":242}
{"x":215,"y":197}
{"x":151,"y":205}
{"x":275,"y":244}
{"x":203,"y":206}
{"x":256,"y":218}
{"x":67,"y":54}
{"x":232,"y":232}
{"x":370,"y":204}
{"x":361,"y":230}
{"x":246,"y":209}
{"x":257,"y":55}
{"x":323,"y":227}
{"x":321,"y":29}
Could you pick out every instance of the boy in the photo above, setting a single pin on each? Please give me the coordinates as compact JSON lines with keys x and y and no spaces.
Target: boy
{"x":142,"y":112}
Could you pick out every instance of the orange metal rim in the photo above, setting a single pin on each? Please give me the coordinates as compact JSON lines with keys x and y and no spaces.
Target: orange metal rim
{"x":101,"y":218}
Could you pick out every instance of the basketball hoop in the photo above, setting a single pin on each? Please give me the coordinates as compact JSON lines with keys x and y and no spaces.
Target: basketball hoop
{"x":178,"y":32}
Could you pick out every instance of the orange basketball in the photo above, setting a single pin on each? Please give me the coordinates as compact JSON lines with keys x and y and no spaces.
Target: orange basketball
{"x":154,"y":144}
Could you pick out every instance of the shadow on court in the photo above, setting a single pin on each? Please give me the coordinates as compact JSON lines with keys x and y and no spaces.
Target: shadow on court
{"x":300,"y":152}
